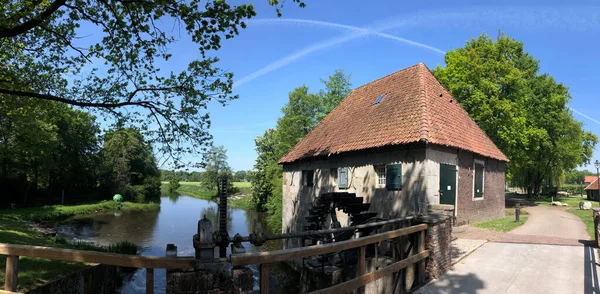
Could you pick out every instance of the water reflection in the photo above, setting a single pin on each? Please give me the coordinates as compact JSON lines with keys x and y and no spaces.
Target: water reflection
{"x":176,"y":223}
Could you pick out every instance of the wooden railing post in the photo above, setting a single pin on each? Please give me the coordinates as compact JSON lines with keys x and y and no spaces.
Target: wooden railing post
{"x":361,"y":267}
{"x":149,"y":281}
{"x":422,"y":262}
{"x":264,"y":278}
{"x":11,"y":274}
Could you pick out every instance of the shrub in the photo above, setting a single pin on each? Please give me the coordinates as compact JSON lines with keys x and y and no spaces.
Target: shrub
{"x":174,"y":184}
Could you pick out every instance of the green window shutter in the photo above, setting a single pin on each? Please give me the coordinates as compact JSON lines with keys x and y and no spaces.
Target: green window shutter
{"x":343,"y":178}
{"x":310,"y":178}
{"x":393,"y":177}
{"x":478,"y":180}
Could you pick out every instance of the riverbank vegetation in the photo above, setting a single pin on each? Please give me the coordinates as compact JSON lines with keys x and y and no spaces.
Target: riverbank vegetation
{"x":241,"y":198}
{"x":53,"y":154}
{"x":36,"y":271}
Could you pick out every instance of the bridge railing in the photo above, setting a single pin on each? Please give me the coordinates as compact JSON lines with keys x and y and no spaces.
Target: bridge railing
{"x":264,"y":259}
{"x":13,"y":252}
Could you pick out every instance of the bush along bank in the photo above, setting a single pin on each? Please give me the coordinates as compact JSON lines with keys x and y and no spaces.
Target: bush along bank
{"x":34,"y":272}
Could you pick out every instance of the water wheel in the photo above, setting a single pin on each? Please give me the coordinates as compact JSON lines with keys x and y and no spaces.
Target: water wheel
{"x":322,"y":215}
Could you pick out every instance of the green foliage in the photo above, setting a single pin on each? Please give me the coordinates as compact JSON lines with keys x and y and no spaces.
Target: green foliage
{"x":300,"y":115}
{"x":129,"y":167}
{"x":184,"y":176}
{"x":576,"y":176}
{"x":241,"y":176}
{"x":46,"y":56}
{"x":46,"y":147}
{"x":523,"y":111}
{"x":216,"y":168}
{"x":174,"y":185}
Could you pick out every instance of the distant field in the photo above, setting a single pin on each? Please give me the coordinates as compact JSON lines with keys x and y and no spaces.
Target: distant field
{"x":235,"y":184}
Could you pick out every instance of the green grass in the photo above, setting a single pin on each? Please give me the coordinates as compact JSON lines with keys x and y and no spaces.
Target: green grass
{"x":571,"y":201}
{"x":503,"y":224}
{"x":36,"y":271}
{"x":587,"y":217}
{"x":58,"y":212}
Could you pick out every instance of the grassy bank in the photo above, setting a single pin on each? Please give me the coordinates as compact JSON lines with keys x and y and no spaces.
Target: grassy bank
{"x":573,"y":208}
{"x":58,"y":212}
{"x":196,"y":190}
{"x":506,"y":223}
{"x":35,"y":271}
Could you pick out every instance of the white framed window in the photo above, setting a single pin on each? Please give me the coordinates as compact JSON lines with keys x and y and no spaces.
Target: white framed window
{"x":381,"y":173}
{"x":478,"y":179}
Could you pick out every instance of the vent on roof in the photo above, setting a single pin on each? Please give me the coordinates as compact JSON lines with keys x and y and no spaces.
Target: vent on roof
{"x":379,"y":99}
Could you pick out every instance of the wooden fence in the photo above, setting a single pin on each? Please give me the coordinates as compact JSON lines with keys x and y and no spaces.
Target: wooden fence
{"x":264,"y":259}
{"x":13,"y":252}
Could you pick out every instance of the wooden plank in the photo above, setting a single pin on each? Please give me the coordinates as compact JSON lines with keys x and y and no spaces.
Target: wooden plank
{"x":9,"y":292}
{"x":361,"y":267}
{"x":421,"y":264}
{"x":149,"y":281}
{"x":355,"y":283}
{"x":264,"y":278}
{"x":302,"y":252}
{"x":97,"y":257}
{"x":11,"y":273}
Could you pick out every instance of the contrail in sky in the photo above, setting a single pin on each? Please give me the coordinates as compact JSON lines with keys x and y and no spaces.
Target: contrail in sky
{"x":585,"y":115}
{"x":530,"y":17}
{"x":357,"y":33}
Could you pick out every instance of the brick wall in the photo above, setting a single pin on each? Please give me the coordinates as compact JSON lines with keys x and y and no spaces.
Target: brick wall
{"x":469,"y":209}
{"x":438,"y":241}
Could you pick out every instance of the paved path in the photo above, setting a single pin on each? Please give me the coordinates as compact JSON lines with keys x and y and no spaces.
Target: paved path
{"x":549,"y":225}
{"x":547,"y":262}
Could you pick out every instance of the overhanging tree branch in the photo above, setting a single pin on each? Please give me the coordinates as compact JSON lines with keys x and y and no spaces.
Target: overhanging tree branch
{"x":32,"y":23}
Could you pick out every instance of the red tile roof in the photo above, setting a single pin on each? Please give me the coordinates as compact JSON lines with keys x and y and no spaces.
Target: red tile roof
{"x":593,"y":185}
{"x":416,"y":108}
{"x":589,"y":179}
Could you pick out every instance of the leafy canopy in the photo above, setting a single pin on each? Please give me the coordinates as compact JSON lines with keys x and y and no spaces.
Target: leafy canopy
{"x":523,"y":111}
{"x":107,"y":55}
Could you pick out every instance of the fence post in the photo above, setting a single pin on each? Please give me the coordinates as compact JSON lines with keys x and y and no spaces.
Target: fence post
{"x":11,"y":274}
{"x":421,"y":262}
{"x":264,"y":278}
{"x":361,"y":266}
{"x":149,"y":281}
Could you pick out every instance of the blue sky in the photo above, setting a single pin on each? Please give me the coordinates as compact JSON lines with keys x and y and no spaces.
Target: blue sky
{"x":369,"y":39}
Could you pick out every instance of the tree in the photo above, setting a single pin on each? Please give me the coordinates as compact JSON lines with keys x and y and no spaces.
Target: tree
{"x":337,"y":87}
{"x":300,"y":115}
{"x":117,"y":71}
{"x":240,"y":176}
{"x":216,"y":168}
{"x":45,"y":148}
{"x":129,"y":166}
{"x":524,"y":112}
{"x":174,"y":184}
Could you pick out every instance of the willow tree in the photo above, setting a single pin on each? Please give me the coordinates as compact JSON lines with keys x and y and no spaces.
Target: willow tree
{"x":106,"y":55}
{"x":523,"y":111}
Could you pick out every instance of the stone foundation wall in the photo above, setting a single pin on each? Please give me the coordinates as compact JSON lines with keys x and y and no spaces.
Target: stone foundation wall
{"x":101,"y":279}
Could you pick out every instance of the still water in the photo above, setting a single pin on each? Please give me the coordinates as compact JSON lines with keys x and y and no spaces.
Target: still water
{"x":176,"y":223}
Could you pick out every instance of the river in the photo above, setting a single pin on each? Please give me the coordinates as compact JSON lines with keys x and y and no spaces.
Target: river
{"x":176,"y":223}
